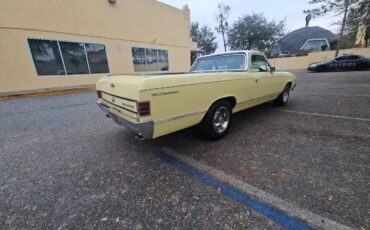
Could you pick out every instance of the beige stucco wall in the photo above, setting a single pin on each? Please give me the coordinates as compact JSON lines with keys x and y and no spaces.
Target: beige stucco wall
{"x":294,"y":63}
{"x":141,"y":23}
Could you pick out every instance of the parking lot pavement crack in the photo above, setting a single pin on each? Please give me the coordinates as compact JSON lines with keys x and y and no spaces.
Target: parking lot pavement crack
{"x":312,"y":219}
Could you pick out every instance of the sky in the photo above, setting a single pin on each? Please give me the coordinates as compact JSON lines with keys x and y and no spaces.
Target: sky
{"x":203,"y":11}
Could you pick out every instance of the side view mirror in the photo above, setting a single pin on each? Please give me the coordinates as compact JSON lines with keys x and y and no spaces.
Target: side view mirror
{"x":273,"y":69}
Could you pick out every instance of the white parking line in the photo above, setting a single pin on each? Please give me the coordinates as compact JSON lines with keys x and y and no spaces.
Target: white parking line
{"x":323,"y":115}
{"x":307,"y":216}
{"x":335,"y":94}
{"x":339,"y":85}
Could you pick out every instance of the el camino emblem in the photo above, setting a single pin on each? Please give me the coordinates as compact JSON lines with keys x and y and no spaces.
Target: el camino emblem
{"x":113,"y":99}
{"x":112,"y":85}
{"x":164,"y":93}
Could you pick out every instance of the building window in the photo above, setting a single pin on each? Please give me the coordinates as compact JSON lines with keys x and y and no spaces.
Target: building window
{"x":316,"y":45}
{"x":138,"y":59}
{"x":97,"y":57}
{"x":46,"y":56}
{"x":68,"y":58}
{"x":74,"y":57}
{"x":163,"y":60}
{"x":149,"y":60}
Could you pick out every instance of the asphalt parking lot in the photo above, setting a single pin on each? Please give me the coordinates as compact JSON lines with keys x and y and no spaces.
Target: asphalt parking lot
{"x":63,"y":165}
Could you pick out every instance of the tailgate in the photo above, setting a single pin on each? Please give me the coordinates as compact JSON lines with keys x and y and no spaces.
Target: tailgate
{"x":121,"y":93}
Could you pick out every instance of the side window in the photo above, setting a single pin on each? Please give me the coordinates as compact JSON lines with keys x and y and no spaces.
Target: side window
{"x":259,"y":64}
{"x":340,"y":59}
{"x":353,"y":57}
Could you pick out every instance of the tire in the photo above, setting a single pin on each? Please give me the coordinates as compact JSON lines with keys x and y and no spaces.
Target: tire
{"x":216,"y":122}
{"x":283,"y":98}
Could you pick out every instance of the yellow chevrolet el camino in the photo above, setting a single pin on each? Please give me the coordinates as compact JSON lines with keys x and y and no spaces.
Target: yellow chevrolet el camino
{"x":216,"y":87}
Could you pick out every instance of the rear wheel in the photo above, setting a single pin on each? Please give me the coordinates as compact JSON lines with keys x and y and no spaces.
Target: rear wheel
{"x":283,"y":98}
{"x":216,"y":123}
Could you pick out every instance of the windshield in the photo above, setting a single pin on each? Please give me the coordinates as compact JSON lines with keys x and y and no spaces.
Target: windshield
{"x":220,"y":63}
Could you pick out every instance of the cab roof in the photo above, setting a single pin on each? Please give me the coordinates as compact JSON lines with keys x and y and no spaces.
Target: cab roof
{"x":246,"y":52}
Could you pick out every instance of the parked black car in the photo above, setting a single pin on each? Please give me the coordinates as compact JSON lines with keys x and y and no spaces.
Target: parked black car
{"x":345,"y":62}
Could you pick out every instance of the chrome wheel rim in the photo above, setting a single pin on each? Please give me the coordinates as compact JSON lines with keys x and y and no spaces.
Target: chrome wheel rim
{"x":221,"y":119}
{"x":286,"y":94}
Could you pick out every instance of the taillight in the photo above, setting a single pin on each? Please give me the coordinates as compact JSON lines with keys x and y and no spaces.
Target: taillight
{"x":143,"y":108}
{"x":99,"y":94}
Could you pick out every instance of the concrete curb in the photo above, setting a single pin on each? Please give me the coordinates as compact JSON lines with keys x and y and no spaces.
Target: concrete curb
{"x":45,"y":92}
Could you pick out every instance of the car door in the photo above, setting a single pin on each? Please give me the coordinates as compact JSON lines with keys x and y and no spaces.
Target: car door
{"x":353,"y":61}
{"x":266,"y":84}
{"x":339,"y":63}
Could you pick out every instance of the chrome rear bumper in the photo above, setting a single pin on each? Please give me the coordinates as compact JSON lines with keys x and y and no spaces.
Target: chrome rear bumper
{"x":143,"y":129}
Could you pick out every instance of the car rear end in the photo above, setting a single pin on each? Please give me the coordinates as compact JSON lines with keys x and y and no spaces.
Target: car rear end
{"x":119,"y":97}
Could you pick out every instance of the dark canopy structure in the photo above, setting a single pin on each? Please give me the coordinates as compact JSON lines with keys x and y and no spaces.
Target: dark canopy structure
{"x":312,"y":38}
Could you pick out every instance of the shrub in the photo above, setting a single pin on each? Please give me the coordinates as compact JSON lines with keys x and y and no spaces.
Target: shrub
{"x":303,"y":53}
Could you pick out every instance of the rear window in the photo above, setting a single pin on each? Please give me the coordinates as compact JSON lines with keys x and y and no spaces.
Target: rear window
{"x":220,"y":63}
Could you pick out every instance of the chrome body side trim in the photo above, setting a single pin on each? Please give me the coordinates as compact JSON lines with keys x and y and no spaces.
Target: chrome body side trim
{"x":180,"y":116}
{"x":257,"y":98}
{"x":246,"y":101}
{"x":143,"y":129}
{"x":123,"y":98}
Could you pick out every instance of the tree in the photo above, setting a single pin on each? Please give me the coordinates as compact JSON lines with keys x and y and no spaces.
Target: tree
{"x":222,"y":15}
{"x":358,"y":16}
{"x":339,"y":7}
{"x":205,"y":38}
{"x":255,"y":32}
